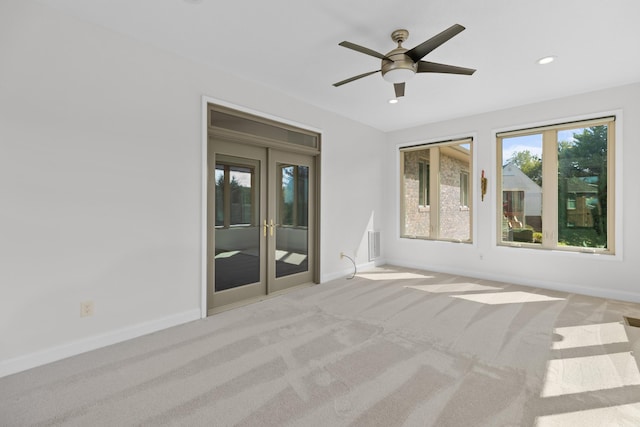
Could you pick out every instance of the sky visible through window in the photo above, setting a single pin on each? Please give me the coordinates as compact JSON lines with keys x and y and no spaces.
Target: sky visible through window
{"x":531,"y":143}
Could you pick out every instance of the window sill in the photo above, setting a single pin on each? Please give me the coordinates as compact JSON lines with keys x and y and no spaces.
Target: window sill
{"x":557,"y":250}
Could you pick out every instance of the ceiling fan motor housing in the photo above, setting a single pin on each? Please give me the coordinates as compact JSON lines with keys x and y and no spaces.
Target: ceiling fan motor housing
{"x":399,"y":67}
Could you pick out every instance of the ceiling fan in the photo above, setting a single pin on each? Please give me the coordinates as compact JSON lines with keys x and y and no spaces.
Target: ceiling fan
{"x":400,"y":64}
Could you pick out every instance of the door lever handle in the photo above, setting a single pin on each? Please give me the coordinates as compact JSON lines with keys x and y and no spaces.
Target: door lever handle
{"x":272,"y":226}
{"x":264,"y":228}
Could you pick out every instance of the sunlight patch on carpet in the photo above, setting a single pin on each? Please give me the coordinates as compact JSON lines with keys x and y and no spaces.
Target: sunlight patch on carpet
{"x":620,"y":415}
{"x":454,"y":287}
{"x":587,"y":335}
{"x":590,"y":373}
{"x":295,"y":258}
{"x":290,"y":257}
{"x":393,"y":276}
{"x":495,"y":298}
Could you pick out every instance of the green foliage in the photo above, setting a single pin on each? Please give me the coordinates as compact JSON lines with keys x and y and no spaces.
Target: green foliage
{"x":585,"y":157}
{"x":234,"y":184}
{"x":582,"y":237}
{"x":529,"y":164}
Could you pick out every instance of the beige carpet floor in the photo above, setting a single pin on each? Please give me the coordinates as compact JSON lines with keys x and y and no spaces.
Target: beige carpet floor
{"x":392,"y":347}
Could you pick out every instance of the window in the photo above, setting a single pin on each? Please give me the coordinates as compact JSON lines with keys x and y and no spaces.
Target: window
{"x":435,"y":200}
{"x":557,"y":187}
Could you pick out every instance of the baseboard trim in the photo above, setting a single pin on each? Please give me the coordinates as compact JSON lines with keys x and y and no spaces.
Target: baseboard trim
{"x":554,"y":286}
{"x":348,"y":272}
{"x":53,"y":354}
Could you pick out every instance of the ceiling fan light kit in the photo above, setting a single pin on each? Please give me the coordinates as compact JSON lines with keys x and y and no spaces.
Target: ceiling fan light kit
{"x":401,"y":64}
{"x":398,"y":69}
{"x":398,"y":75}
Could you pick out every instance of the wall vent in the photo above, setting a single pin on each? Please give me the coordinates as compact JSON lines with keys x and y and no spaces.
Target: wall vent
{"x":374,"y":245}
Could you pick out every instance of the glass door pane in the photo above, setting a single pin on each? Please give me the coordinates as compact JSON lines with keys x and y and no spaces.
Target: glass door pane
{"x":292,"y":213}
{"x":237,"y":233}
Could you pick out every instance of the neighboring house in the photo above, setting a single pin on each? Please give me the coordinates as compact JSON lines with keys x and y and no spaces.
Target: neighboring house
{"x":452,"y":184}
{"x":521,"y":199}
{"x":582,"y":202}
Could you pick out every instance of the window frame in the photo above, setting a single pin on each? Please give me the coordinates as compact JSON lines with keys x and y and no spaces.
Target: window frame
{"x":550,"y":203}
{"x":433,"y":209}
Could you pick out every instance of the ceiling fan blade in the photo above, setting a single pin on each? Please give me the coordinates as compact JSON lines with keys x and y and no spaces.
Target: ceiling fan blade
{"x":419,"y":52}
{"x":362,"y":49}
{"x":399,"y":87}
{"x":350,"y":79}
{"x":433,"y":67}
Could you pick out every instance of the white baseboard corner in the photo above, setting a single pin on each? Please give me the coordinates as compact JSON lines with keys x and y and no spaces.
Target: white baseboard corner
{"x":53,"y":354}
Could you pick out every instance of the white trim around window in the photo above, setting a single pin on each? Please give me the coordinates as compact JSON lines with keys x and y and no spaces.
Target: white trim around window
{"x":553,"y":217}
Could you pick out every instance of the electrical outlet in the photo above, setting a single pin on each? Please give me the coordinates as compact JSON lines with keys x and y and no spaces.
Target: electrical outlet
{"x":86,"y":308}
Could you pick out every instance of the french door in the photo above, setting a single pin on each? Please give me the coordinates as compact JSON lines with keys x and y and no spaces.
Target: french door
{"x":260,"y":222}
{"x":290,"y":246}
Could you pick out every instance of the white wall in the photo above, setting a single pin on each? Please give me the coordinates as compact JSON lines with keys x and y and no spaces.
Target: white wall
{"x":100,"y":183}
{"x":600,"y":275}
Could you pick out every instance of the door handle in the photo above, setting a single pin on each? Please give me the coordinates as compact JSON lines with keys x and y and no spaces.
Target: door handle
{"x":273,"y":226}
{"x":264,"y":228}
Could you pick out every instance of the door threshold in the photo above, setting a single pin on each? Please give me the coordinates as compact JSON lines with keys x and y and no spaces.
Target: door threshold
{"x":254,"y":300}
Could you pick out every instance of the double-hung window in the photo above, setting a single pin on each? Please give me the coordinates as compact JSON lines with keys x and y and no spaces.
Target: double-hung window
{"x":435,"y":201}
{"x":556,"y":187}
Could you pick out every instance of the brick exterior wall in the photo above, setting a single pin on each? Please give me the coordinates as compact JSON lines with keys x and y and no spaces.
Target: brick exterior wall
{"x":454,"y":220}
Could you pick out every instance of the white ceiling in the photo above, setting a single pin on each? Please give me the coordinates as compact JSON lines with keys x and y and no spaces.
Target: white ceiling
{"x":292,"y":46}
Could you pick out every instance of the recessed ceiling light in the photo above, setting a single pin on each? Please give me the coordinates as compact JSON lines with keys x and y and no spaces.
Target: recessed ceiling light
{"x":546,"y":60}
{"x":393,"y":101}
